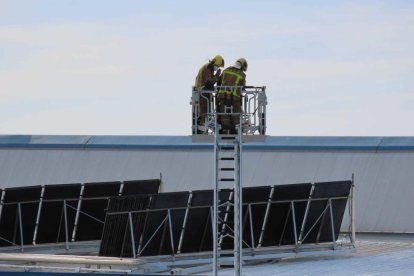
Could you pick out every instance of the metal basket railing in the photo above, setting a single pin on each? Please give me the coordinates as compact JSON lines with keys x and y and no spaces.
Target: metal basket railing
{"x":253,"y":109}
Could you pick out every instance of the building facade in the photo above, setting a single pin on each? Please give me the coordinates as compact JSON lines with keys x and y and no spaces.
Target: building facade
{"x":383,"y":167}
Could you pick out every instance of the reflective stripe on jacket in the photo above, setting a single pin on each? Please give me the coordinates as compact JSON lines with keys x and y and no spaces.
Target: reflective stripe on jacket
{"x":232,"y":77}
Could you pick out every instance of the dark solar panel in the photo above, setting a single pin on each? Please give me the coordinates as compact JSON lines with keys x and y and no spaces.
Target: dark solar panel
{"x":9,"y":225}
{"x":332,"y":189}
{"x":29,"y":198}
{"x":140,"y":187}
{"x":254,"y":212}
{"x":319,"y":216}
{"x":21,"y":194}
{"x":101,"y":189}
{"x":62,"y":191}
{"x":52,"y":225}
{"x":280,"y":222}
{"x":93,"y":209}
{"x":197,"y":233}
{"x":286,"y":210}
{"x":161,"y":242}
{"x":136,"y":196}
{"x":119,"y":245}
{"x":91,"y":219}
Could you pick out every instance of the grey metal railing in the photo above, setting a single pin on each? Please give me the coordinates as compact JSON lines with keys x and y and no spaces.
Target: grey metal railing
{"x":253,"y":109}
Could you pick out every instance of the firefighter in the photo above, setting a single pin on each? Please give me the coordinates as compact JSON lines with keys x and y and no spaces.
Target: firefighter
{"x":229,"y":99}
{"x":205,"y":80}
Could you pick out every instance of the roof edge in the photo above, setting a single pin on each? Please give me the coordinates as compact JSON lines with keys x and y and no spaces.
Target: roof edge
{"x":313,"y":143}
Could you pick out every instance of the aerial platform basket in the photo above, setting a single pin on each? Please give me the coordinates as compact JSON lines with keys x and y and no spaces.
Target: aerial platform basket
{"x":253,"y":113}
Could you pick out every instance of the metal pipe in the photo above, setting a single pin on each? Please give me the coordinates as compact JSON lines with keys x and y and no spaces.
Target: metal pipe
{"x":86,"y":214}
{"x":75,"y":225}
{"x":208,"y":206}
{"x":202,"y":92}
{"x":353,"y":211}
{"x":176,"y":208}
{"x":266,"y":216}
{"x":58,"y":200}
{"x":251,"y":226}
{"x":180,"y":243}
{"x":6,"y":240}
{"x":153,"y":234}
{"x":21,"y":226}
{"x":318,"y":236}
{"x":38,"y":215}
{"x":141,"y":237}
{"x":121,"y":188}
{"x":44,"y":268}
{"x":302,"y":229}
{"x":131,"y":229}
{"x":294,"y":223}
{"x":66,"y":226}
{"x":332,"y":223}
{"x":317,"y":220}
{"x":171,"y":233}
{"x":48,"y":258}
{"x":3,"y":193}
{"x":285,"y":224}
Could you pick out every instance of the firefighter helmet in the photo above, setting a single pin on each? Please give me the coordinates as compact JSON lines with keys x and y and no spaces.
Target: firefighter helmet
{"x":218,"y":61}
{"x":243,"y":63}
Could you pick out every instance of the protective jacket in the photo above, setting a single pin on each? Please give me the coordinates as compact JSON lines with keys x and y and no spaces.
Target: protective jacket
{"x":232,"y":76}
{"x":205,"y":80}
{"x":230,"y":97}
{"x":205,"y":77}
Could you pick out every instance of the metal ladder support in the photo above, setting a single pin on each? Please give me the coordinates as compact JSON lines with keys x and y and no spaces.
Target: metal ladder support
{"x":227,"y":174}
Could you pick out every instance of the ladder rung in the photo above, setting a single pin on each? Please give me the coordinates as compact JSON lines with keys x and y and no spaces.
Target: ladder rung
{"x":226,"y":147}
{"x":227,"y":158}
{"x":225,"y":190}
{"x":226,"y":179}
{"x":227,"y":255}
{"x":228,"y":137}
{"x":227,"y":169}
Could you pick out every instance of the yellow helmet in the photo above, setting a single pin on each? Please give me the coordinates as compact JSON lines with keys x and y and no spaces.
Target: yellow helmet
{"x":218,"y":61}
{"x":243,"y":63}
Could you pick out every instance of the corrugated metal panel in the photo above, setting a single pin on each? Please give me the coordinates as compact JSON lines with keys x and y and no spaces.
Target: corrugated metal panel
{"x":384,"y":179}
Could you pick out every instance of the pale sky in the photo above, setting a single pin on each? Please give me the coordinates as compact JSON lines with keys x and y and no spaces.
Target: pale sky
{"x":126,"y":67}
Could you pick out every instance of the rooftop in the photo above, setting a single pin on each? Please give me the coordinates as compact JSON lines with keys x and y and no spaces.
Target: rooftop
{"x":368,"y":143}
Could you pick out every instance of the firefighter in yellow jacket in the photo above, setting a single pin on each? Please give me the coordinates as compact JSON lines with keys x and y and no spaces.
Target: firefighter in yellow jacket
{"x":229,"y":98}
{"x":205,"y":80}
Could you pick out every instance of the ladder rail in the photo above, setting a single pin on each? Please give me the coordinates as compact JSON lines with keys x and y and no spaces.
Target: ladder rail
{"x":215,"y":207}
{"x":228,"y":171}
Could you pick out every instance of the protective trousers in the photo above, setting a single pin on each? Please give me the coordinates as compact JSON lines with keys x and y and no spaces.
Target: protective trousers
{"x":228,"y":103}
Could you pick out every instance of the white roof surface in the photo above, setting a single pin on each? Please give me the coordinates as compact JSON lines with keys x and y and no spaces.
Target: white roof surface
{"x":375,"y":255}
